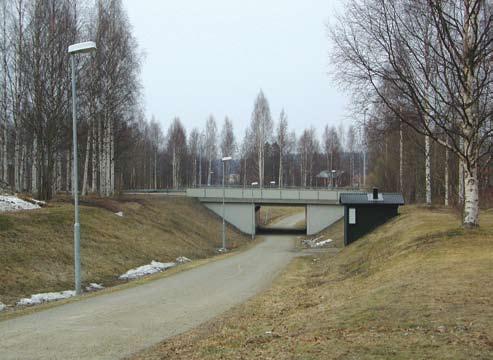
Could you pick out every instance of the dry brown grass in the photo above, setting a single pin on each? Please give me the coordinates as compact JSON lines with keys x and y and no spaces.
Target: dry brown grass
{"x":419,"y":287}
{"x":36,"y":247}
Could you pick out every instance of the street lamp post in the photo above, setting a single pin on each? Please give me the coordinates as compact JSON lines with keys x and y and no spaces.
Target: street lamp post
{"x":224,"y":159}
{"x":255,"y":183}
{"x":73,"y":50}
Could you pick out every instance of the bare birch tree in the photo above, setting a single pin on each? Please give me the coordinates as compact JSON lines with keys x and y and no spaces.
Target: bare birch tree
{"x":377,"y":35}
{"x":261,"y":130}
{"x":177,"y":142}
{"x":210,"y":145}
{"x":282,"y":139}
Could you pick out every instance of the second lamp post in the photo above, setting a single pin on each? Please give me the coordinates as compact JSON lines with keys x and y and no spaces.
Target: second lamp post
{"x":224,"y":160}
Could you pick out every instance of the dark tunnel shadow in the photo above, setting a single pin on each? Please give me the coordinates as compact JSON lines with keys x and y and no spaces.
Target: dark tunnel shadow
{"x":280,"y":231}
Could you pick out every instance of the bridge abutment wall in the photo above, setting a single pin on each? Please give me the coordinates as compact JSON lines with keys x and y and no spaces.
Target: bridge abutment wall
{"x":240,"y":215}
{"x":319,"y":217}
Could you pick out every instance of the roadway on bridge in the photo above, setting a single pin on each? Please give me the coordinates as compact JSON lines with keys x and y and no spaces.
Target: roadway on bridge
{"x":115,"y":325}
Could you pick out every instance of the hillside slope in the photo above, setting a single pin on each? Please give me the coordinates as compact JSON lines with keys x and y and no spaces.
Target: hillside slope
{"x":418,"y":287}
{"x":36,"y":246}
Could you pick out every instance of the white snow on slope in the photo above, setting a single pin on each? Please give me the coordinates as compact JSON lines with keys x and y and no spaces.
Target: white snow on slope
{"x":2,"y":307}
{"x":45,"y":297}
{"x":151,"y":268}
{"x":322,"y":243}
{"x":315,"y":243}
{"x":39,"y":202}
{"x":13,"y":203}
{"x":182,"y":260}
{"x":94,"y":287}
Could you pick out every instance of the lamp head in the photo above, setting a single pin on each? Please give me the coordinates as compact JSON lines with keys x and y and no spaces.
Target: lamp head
{"x":83,"y":47}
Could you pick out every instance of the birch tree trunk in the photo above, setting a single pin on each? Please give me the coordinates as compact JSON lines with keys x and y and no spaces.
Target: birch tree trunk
{"x":59,"y":172}
{"x":401,"y":158}
{"x":112,"y":158}
{"x":94,"y":139}
{"x":34,"y":169}
{"x":447,"y":155}
{"x":5,"y":172}
{"x":17,"y":159}
{"x":86,"y":163}
{"x":428,"y":170}
{"x":281,"y":180}
{"x":22,"y":169}
{"x":68,"y":173}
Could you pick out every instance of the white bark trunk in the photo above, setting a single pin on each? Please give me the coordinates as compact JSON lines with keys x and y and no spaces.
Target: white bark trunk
{"x":58,"y":173}
{"x":101,"y":157}
{"x":5,"y":171}
{"x":471,"y":203}
{"x":428,"y":170}
{"x":155,"y":169}
{"x":447,"y":155}
{"x":461,"y":179}
{"x":17,"y":156}
{"x":112,"y":159}
{"x":94,"y":179}
{"x":86,"y":163}
{"x":68,"y":173}
{"x":281,"y":180}
{"x":401,"y":158}
{"x":34,"y":169}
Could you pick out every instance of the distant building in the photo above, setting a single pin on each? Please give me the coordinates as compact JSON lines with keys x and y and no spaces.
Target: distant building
{"x":234,"y":179}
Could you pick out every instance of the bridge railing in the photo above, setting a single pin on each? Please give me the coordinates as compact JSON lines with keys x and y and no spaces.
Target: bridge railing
{"x":267,"y":193}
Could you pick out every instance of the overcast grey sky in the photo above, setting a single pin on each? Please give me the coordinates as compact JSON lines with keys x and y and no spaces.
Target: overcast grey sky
{"x":214,"y":56}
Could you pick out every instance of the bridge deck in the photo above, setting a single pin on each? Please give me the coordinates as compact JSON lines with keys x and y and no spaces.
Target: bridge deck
{"x":267,"y":196}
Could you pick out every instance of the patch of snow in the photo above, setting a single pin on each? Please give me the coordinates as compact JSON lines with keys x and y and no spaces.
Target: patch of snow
{"x":322,"y":243}
{"x":13,"y":203}
{"x":182,"y":260}
{"x":45,"y":297}
{"x":94,"y":287}
{"x":119,"y":213}
{"x":314,"y":243}
{"x":151,"y":268}
{"x":39,"y":202}
{"x":2,"y":307}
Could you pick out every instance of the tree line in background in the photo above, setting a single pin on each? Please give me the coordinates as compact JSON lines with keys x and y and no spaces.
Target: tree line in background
{"x":419,"y":70}
{"x":269,"y":155}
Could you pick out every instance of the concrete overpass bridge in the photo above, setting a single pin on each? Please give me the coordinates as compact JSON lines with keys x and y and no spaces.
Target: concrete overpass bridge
{"x":322,"y":206}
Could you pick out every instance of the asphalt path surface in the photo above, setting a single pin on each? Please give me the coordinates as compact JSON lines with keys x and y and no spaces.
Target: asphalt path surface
{"x":115,"y":325}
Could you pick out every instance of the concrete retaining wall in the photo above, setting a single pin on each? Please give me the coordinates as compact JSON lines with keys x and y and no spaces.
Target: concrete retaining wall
{"x":319,"y":217}
{"x":240,"y":216}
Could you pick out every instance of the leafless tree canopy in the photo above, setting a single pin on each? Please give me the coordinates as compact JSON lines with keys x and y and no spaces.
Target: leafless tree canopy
{"x":436,"y":55}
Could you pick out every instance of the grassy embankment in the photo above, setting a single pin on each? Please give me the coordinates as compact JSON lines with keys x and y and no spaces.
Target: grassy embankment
{"x":36,"y":246}
{"x":419,"y":287}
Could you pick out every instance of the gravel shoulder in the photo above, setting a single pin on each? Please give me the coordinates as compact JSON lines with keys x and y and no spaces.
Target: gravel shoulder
{"x":118,"y":324}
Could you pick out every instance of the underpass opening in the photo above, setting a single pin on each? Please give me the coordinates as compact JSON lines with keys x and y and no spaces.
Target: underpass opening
{"x":280,"y":219}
